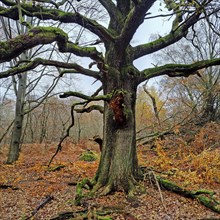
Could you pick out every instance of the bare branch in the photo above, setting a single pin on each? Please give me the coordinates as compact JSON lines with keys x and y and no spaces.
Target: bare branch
{"x":110,"y":8}
{"x":75,"y":68}
{"x":90,"y":109}
{"x":44,"y":35}
{"x":82,"y":96}
{"x":175,"y":35}
{"x":177,"y":70}
{"x":58,"y":15}
{"x":133,"y":21}
{"x":6,"y":131}
{"x":59,"y":146}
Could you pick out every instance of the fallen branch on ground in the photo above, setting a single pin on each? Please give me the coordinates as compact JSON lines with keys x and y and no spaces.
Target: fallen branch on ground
{"x":42,"y":204}
{"x":159,"y":189}
{"x":4,"y":186}
{"x":55,"y":168}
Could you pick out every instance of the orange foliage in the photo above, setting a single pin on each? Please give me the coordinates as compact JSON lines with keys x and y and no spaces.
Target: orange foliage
{"x":192,"y":164}
{"x":31,"y":168}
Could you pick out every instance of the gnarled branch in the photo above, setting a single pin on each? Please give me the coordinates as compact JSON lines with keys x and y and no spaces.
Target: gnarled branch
{"x":58,"y":15}
{"x":44,"y":35}
{"x":29,"y":65}
{"x":172,"y":37}
{"x":90,"y":109}
{"x":177,"y":70}
{"x":85,"y":97}
{"x":133,"y":21}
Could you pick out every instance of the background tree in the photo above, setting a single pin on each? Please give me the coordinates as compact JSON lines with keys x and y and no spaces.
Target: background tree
{"x":196,"y":96}
{"x":19,"y":86}
{"x":115,"y":69}
{"x":23,"y":85}
{"x":151,"y":115}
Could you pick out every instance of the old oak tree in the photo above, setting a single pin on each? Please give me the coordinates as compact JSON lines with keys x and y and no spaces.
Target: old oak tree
{"x":115,"y":69}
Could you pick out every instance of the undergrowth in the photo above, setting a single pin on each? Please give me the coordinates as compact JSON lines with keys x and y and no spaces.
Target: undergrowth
{"x":193,"y":164}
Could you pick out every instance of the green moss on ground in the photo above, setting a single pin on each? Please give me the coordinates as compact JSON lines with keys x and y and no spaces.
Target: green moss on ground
{"x":88,"y":156}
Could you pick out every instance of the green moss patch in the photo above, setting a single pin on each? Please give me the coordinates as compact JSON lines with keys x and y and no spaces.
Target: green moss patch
{"x":88,"y":156}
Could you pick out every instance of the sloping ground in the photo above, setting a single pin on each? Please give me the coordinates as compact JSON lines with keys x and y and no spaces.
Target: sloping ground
{"x":26,"y":184}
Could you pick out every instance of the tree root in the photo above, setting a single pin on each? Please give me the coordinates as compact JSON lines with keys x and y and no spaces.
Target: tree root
{"x":102,"y":213}
{"x":133,"y":188}
{"x":106,"y":190}
{"x":86,"y":184}
{"x":205,"y":197}
{"x":93,"y":189}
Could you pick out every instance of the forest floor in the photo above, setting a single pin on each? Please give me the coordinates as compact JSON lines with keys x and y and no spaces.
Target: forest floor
{"x":25,"y":186}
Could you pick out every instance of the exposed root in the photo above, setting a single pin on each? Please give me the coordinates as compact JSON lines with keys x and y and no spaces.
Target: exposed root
{"x":86,"y":184}
{"x":130,"y":187}
{"x":134,"y":188}
{"x":96,"y":188}
{"x":205,"y":197}
{"x":106,"y":190}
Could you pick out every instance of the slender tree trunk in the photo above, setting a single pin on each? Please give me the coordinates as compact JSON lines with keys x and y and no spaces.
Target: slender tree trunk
{"x":14,"y":148}
{"x":79,"y":129}
{"x":44,"y":120}
{"x":118,"y":166}
{"x":16,"y":137}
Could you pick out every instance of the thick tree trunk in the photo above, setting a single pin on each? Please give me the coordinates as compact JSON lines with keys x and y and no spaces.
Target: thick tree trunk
{"x":209,"y":112}
{"x":14,"y":148}
{"x":118,"y":166}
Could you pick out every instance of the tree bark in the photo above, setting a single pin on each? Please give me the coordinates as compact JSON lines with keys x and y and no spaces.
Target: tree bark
{"x":14,"y":148}
{"x":20,"y":92}
{"x":118,"y":166}
{"x":209,"y":111}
